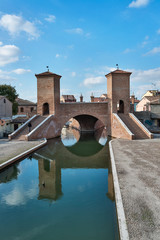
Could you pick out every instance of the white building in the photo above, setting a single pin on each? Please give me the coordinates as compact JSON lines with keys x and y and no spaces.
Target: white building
{"x":5,"y":107}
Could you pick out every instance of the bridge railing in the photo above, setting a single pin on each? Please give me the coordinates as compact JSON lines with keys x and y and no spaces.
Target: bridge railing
{"x":44,"y":129}
{"x":143,"y":128}
{"x":119,"y":128}
{"x":18,"y":130}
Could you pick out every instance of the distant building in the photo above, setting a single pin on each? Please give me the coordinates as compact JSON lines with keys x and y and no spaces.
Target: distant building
{"x":5,"y":107}
{"x":26,"y":107}
{"x":133,"y":103}
{"x":148,"y":112}
{"x":146,"y":102}
{"x":102,"y":98}
{"x":9,"y":125}
{"x":67,"y":98}
{"x":151,"y":93}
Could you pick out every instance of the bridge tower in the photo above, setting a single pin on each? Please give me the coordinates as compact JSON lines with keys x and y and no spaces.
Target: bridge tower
{"x":118,"y":91}
{"x":48,"y":93}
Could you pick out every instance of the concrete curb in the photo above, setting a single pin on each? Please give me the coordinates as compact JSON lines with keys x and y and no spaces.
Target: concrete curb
{"x":123,"y":231}
{"x":21,"y":155}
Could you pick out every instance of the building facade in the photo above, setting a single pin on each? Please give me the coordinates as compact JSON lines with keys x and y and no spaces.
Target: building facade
{"x":26,"y":107}
{"x":5,"y":107}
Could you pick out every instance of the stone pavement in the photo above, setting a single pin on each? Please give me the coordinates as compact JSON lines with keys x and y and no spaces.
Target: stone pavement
{"x":11,"y":149}
{"x":138,"y":169}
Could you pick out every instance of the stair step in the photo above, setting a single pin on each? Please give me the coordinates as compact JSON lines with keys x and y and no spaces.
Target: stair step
{"x":133,"y":127}
{"x":34,"y":122}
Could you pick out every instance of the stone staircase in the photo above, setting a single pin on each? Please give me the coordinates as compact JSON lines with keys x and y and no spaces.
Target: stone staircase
{"x":34,"y":122}
{"x":133,"y":126}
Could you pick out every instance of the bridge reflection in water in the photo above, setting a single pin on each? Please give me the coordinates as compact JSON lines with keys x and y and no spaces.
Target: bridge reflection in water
{"x":78,"y":151}
{"x":61,"y":192}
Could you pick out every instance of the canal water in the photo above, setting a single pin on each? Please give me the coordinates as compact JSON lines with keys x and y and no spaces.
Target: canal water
{"x":64,"y":191}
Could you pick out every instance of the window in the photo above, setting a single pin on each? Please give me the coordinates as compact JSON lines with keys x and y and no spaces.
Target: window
{"x":120,"y":107}
{"x":45,"y":109}
{"x":22,"y":109}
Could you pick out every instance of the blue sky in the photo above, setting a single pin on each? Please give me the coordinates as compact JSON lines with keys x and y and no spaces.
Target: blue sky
{"x":80,"y":40}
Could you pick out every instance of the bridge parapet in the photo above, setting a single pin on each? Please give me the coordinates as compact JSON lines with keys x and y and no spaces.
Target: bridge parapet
{"x":75,"y":110}
{"x":49,"y":128}
{"x":119,"y":129}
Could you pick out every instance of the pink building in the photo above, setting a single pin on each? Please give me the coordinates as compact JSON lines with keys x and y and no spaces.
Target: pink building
{"x":146,"y":102}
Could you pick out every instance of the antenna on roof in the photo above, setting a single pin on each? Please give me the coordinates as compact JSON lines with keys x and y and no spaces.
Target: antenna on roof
{"x":47,"y":68}
{"x":154,"y":85}
{"x":117,"y":66}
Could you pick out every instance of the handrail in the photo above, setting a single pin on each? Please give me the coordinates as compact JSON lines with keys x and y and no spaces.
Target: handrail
{"x":123,"y":124}
{"x":22,"y":126}
{"x":28,"y":135}
{"x":142,"y":126}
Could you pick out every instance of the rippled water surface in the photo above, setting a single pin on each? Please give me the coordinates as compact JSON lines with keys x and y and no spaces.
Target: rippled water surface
{"x":64,"y":191}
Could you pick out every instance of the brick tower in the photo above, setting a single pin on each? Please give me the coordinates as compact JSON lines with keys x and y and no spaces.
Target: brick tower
{"x":118,"y":91}
{"x":48,"y":93}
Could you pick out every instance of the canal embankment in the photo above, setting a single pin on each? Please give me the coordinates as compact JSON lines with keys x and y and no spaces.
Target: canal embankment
{"x":11,"y":151}
{"x":136,"y":176}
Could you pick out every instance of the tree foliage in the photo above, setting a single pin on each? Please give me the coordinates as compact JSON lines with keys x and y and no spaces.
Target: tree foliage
{"x":11,"y":94}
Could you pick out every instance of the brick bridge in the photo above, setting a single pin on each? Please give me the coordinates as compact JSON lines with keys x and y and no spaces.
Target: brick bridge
{"x":114,"y":115}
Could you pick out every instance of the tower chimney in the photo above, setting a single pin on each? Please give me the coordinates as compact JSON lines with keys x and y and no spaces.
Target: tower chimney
{"x":133,"y":99}
{"x":92,"y":98}
{"x":81,"y":98}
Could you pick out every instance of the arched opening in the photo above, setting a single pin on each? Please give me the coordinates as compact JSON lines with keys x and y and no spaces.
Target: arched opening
{"x":22,"y":109}
{"x":83,"y":128}
{"x":45,"y":109}
{"x":120,"y":106}
{"x":70,"y":132}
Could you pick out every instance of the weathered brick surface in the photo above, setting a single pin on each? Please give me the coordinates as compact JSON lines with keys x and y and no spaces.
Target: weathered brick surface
{"x":118,"y":130}
{"x":48,"y":91}
{"x":97,"y":110}
{"x":118,"y":88}
{"x":50,"y":129}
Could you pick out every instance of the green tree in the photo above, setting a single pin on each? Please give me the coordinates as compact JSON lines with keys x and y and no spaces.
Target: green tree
{"x":10,"y":93}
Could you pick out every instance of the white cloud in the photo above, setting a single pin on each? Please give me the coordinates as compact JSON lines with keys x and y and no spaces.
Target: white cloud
{"x":65,"y":91}
{"x":94,"y":81}
{"x":139,"y":3}
{"x":1,"y":43}
{"x":73,"y":74}
{"x":4,"y":78}
{"x":8,"y":54}
{"x":51,"y":18}
{"x":146,"y":76}
{"x":21,"y":71}
{"x":158,"y":31}
{"x":19,"y":196}
{"x":15,"y":24}
{"x":154,"y":51}
{"x":57,"y":55}
{"x":60,"y":56}
{"x":75,"y":31}
{"x":142,"y":80}
{"x":128,"y":50}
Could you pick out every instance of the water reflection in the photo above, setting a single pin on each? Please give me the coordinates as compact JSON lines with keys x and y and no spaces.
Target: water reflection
{"x":51,"y":162}
{"x":70,"y":136}
{"x":56,"y":192}
{"x":49,"y":179}
{"x":9,"y":174}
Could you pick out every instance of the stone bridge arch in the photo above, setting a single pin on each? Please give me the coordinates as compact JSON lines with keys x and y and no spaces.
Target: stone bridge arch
{"x":87,"y":121}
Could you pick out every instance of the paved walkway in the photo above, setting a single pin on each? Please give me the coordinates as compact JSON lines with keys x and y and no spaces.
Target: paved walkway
{"x":138,"y":168}
{"x":10,"y":149}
